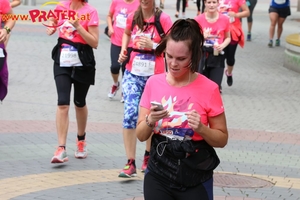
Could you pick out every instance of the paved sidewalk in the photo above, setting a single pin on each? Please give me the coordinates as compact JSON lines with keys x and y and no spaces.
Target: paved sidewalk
{"x":261,"y":160}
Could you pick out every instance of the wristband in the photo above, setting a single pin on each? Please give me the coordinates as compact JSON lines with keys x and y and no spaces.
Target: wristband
{"x":7,"y":29}
{"x":148,"y":123}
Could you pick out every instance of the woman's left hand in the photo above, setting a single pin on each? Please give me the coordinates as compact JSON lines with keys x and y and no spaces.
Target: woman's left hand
{"x":145,"y":42}
{"x":75,"y":23}
{"x":231,"y":14}
{"x":3,"y":35}
{"x":194,"y":120}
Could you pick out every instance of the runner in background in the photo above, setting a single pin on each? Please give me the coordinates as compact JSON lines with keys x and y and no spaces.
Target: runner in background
{"x":13,"y":4}
{"x":116,"y":21}
{"x":234,"y":10}
{"x":5,"y":30}
{"x":71,"y":68}
{"x":251,"y":4}
{"x":143,"y":64}
{"x":216,"y":31}
{"x":199,"y":9}
{"x":178,"y":8}
{"x":279,"y":10}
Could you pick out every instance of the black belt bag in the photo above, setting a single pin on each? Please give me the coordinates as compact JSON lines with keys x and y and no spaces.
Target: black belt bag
{"x":210,"y":60}
{"x":184,"y":163}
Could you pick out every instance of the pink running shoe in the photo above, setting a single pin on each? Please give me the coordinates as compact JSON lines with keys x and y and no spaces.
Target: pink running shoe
{"x":128,"y":171}
{"x":145,"y":163}
{"x":60,"y":156}
{"x":81,"y":151}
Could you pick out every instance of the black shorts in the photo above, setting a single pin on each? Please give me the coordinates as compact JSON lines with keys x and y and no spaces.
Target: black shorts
{"x":282,"y":12}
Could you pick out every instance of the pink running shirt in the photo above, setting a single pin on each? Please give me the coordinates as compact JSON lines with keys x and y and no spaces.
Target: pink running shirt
{"x":216,"y":30}
{"x":87,"y":13}
{"x":120,"y":10}
{"x":202,"y":95}
{"x":4,"y":7}
{"x":231,"y":5}
{"x":150,"y":31}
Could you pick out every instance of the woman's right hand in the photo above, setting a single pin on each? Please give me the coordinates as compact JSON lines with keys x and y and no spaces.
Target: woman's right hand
{"x":156,"y":115}
{"x":122,"y":56}
{"x":50,"y":30}
{"x":110,"y":31}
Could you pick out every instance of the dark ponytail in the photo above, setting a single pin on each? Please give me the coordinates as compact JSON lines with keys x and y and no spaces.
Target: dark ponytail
{"x":185,"y":30}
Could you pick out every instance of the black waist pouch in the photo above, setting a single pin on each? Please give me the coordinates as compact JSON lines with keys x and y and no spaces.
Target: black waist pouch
{"x":210,"y":60}
{"x":183,"y":163}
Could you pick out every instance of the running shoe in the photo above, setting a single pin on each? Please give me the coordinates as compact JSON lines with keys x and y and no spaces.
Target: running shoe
{"x":81,"y":151}
{"x":229,"y":78}
{"x":60,"y":156}
{"x":249,"y":37}
{"x":270,"y":44}
{"x":122,"y":98}
{"x":277,"y":43}
{"x":113,"y":90}
{"x":145,"y":163}
{"x":128,"y":171}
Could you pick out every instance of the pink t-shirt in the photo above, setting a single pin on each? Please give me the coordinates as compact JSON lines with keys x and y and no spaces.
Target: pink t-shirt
{"x":150,"y":31}
{"x":4,"y":8}
{"x":216,"y":31}
{"x":120,"y":11}
{"x":202,"y":95}
{"x":88,"y":16}
{"x":231,"y":5}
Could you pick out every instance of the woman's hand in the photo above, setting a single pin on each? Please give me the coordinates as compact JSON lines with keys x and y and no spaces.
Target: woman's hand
{"x":3,"y":35}
{"x":219,"y":47}
{"x":155,"y":116}
{"x":51,"y":30}
{"x":145,"y":42}
{"x":122,"y":56}
{"x":75,"y":23}
{"x":232,"y":14}
{"x":194,"y":120}
{"x":110,"y":31}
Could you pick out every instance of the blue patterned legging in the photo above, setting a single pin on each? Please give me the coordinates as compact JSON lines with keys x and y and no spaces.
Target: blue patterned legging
{"x":133,"y":87}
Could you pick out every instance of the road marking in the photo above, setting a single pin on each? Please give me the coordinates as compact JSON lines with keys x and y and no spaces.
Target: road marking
{"x":17,"y":186}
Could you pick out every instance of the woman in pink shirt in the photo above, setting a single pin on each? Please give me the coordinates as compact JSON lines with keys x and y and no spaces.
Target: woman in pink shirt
{"x":116,"y":20}
{"x":216,"y":33}
{"x":5,"y":30}
{"x":74,"y":64}
{"x":189,"y":124}
{"x":144,"y":35}
{"x":231,"y":8}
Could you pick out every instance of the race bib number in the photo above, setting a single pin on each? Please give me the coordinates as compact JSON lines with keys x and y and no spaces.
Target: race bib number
{"x":280,"y":1}
{"x":177,"y":133}
{"x":2,"y":53}
{"x":143,"y":65}
{"x":69,"y":57}
{"x":231,"y":19}
{"x":121,"y":21}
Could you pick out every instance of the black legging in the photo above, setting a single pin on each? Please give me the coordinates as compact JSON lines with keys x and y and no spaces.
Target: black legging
{"x":63,"y":87}
{"x":159,"y":190}
{"x":178,"y":5}
{"x":114,"y":56}
{"x":230,"y":53}
{"x":199,"y":4}
{"x":251,"y":8}
{"x":213,"y":73}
